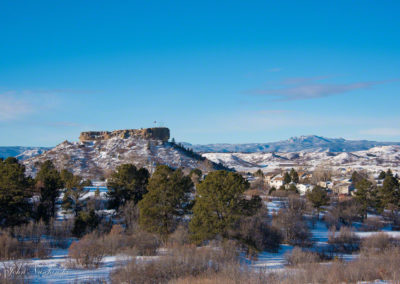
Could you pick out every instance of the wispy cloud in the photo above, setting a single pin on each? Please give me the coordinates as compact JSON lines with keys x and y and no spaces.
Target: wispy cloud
{"x":305,"y":90}
{"x":276,"y":69}
{"x":302,"y":80}
{"x":11,"y":108}
{"x":64,"y":124}
{"x":273,"y":111}
{"x":382,"y":132}
{"x":17,"y":104}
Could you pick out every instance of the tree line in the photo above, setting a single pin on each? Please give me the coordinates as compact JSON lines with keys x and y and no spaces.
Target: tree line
{"x":213,"y":207}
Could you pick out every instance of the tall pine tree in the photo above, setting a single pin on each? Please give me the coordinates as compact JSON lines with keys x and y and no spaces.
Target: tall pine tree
{"x":219,"y":204}
{"x":127,"y":183}
{"x":294,"y":176}
{"x":15,"y":189}
{"x":389,"y":192}
{"x":49,"y":184}
{"x":74,"y":191}
{"x":165,"y":201}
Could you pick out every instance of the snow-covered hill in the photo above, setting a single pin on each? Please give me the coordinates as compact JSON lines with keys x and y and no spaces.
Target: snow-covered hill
{"x":311,"y":143}
{"x":374,"y":159}
{"x":21,"y":153}
{"x":95,"y":159}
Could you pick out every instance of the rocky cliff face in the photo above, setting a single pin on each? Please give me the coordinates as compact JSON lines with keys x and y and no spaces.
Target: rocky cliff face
{"x":99,"y":153}
{"x":156,"y":133}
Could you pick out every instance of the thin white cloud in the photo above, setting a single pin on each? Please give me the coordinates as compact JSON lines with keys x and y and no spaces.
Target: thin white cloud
{"x":276,"y":69}
{"x":17,"y":104}
{"x":302,"y":80}
{"x":315,"y":90}
{"x":64,"y":124}
{"x":273,"y":111}
{"x":382,"y":132}
{"x":11,"y":108}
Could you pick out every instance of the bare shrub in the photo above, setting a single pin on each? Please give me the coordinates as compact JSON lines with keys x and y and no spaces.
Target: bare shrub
{"x":120,"y":241}
{"x":289,"y":221}
{"x":88,"y":252}
{"x":297,"y":205}
{"x":349,"y":211}
{"x":180,"y":236}
{"x":385,"y":266}
{"x":114,"y":241}
{"x":137,"y":243}
{"x":144,"y":243}
{"x":345,"y":241}
{"x":9,"y":247}
{"x":321,"y":173}
{"x":381,"y":266}
{"x":181,"y":262}
{"x":393,"y":217}
{"x":256,"y":234}
{"x":344,"y":213}
{"x":230,"y":274}
{"x":32,"y":231}
{"x":12,"y":248}
{"x":331,"y":218}
{"x":279,"y":193}
{"x":60,"y":233}
{"x":372,"y":224}
{"x":130,"y":215}
{"x":378,"y":243}
{"x":300,"y":257}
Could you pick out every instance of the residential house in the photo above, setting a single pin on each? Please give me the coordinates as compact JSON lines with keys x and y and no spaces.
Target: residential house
{"x":343,"y":187}
{"x":325,"y":184}
{"x":276,"y":181}
{"x":304,"y":188}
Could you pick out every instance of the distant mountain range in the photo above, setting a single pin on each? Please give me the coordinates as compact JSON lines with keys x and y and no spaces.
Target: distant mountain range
{"x":310,"y":143}
{"x":20,"y":152}
{"x":373,"y":160}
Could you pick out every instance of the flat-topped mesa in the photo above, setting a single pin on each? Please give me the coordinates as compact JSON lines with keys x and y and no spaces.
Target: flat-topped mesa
{"x":158,"y":133}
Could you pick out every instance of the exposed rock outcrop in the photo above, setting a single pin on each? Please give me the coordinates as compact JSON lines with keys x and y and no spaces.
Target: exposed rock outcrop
{"x":99,"y":153}
{"x":156,"y":133}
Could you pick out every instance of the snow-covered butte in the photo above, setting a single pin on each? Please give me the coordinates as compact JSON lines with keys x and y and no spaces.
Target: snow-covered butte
{"x":96,"y":159}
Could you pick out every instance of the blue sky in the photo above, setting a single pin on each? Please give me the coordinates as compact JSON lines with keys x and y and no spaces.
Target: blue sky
{"x":212,"y":71}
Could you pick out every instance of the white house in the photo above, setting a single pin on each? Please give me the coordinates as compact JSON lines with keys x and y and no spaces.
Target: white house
{"x":325,"y":184}
{"x":304,"y":188}
{"x":343,"y":187}
{"x":276,"y":181}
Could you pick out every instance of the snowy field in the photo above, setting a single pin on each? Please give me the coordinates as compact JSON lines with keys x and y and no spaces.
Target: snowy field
{"x":276,"y":261}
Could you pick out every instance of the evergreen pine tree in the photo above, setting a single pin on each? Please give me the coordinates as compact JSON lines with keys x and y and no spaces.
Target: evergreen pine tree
{"x":318,"y":198}
{"x":74,"y":191}
{"x":49,"y":183}
{"x":218,"y":205}
{"x":364,"y":195}
{"x":259,"y":173}
{"x":127,"y":183}
{"x":294,"y":176}
{"x":292,"y":188}
{"x":382,"y":175}
{"x":165,"y":201}
{"x":15,"y":189}
{"x":389,"y":192}
{"x":286,"y":178}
